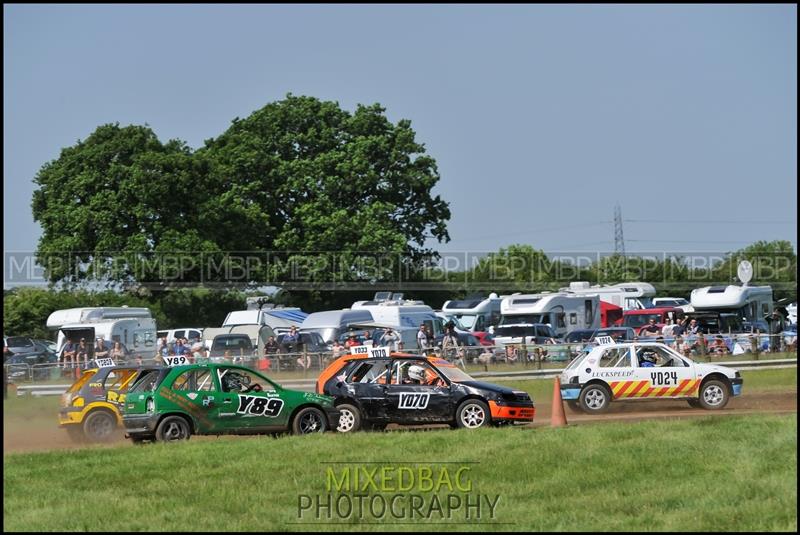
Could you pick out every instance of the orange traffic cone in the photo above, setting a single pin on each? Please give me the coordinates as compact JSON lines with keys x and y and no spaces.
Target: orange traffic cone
{"x":557,"y":418}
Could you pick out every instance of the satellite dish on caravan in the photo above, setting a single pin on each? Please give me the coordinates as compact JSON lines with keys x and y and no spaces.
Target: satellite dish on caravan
{"x":745,"y":271}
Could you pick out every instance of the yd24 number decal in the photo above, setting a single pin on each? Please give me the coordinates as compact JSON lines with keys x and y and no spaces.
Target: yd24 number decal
{"x":664,"y":378}
{"x":270,"y":407}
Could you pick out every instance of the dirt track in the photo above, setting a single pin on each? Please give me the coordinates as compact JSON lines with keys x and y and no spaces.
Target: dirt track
{"x":49,"y":437}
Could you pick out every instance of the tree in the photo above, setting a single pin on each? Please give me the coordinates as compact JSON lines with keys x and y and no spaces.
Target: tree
{"x":301,"y":194}
{"x":774,"y":264}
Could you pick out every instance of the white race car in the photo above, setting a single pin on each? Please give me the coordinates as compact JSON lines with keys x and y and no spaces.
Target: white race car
{"x":647,"y":370}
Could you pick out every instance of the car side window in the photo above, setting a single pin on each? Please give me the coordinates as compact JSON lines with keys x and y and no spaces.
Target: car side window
{"x":615,"y":357}
{"x":369,"y":372}
{"x":240,"y":381}
{"x":194,"y":381}
{"x":415,"y":372}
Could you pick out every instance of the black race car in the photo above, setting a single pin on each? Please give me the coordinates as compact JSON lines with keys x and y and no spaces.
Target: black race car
{"x":411,"y":390}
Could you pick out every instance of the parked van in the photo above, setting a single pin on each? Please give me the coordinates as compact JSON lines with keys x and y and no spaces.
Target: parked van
{"x":330,"y":324}
{"x":135,"y":328}
{"x":276,"y":318}
{"x":190,"y":333}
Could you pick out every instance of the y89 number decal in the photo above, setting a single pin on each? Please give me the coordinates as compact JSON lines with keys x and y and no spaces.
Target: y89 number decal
{"x":179,"y":360}
{"x":270,"y":407}
{"x":664,"y":378}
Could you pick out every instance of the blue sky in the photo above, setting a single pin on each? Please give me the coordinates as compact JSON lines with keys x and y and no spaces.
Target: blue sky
{"x":541,"y":118}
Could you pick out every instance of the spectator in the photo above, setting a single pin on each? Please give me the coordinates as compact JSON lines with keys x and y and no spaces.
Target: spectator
{"x":680,"y":346}
{"x":351,"y":341}
{"x":304,"y":361}
{"x":390,"y":338}
{"x":162,"y":346}
{"x":69,"y":353}
{"x":650,"y":329}
{"x":100,"y":350}
{"x":679,"y":327}
{"x":430,"y":337}
{"x":227,"y":356}
{"x":338,"y":350}
{"x":693,"y":328}
{"x":290,"y":340}
{"x":367,"y":339}
{"x":180,"y":349}
{"x":422,"y":338}
{"x":668,"y":330}
{"x":117,"y":353}
{"x":271,"y":346}
{"x":718,"y":347}
{"x":775,"y":329}
{"x":82,"y":353}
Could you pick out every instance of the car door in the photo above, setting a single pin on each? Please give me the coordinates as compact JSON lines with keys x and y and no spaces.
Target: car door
{"x":252,"y":402}
{"x":196,"y":392}
{"x":670,"y":377}
{"x":367,"y":382}
{"x":417,"y":403}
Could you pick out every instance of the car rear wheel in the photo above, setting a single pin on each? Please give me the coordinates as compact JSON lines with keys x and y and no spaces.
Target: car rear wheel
{"x":308,"y":420}
{"x":713,"y":395}
{"x":473,"y":414}
{"x":349,"y":418}
{"x":172,"y":429}
{"x":99,"y":426}
{"x":595,"y":399}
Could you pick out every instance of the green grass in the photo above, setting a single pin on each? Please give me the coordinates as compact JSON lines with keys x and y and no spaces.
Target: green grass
{"x":705,"y":474}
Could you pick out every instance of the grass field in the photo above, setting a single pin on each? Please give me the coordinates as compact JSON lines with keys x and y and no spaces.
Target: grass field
{"x":706,"y":474}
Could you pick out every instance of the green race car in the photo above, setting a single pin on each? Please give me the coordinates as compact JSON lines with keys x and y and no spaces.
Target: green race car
{"x":170,"y":404}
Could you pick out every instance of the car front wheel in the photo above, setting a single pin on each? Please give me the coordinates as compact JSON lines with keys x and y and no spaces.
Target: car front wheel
{"x":308,"y":420}
{"x":349,"y":418}
{"x":595,"y":399}
{"x":713,"y":395}
{"x":473,"y":414}
{"x":172,"y":429}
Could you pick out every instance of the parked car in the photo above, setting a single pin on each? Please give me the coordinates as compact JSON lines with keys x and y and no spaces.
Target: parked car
{"x":216,"y":399}
{"x":372,"y":392}
{"x":235,"y":345}
{"x":311,"y":342}
{"x":647,"y":370}
{"x":90,"y":408}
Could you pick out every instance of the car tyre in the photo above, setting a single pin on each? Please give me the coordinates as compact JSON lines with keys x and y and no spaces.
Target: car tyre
{"x":309,"y":420}
{"x":714,"y":395}
{"x":349,"y":418}
{"x":595,"y":399}
{"x":173,"y":429}
{"x":472,"y":414}
{"x":99,"y":426}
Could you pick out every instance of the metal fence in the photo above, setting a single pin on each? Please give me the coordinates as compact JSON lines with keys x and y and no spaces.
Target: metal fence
{"x":307,"y":365}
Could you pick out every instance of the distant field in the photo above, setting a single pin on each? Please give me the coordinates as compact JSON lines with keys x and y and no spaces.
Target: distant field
{"x":704,"y":474}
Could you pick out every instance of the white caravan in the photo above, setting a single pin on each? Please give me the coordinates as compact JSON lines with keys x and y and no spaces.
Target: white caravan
{"x":628,"y":295}
{"x":564,"y":312}
{"x":749,"y":302}
{"x":277,"y":318}
{"x":133,"y":327}
{"x":474,"y":315}
{"x":401,"y":313}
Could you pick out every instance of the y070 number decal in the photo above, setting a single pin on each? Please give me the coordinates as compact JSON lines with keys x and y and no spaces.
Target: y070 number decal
{"x":409,"y":400}
{"x":270,"y":407}
{"x":664,"y":378}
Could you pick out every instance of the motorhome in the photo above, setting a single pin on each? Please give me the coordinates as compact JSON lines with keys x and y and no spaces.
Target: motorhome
{"x":400,"y":313}
{"x":474,"y":314}
{"x":628,"y":295}
{"x":330,"y":324}
{"x":564,"y":312}
{"x":133,"y":327}
{"x":751,"y":303}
